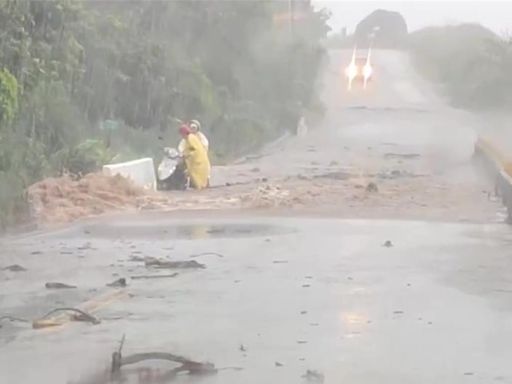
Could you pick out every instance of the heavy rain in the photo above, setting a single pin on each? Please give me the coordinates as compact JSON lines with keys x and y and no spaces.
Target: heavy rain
{"x":295,"y":191}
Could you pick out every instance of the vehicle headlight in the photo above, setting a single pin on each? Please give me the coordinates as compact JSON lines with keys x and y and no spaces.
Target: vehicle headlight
{"x":351,"y":71}
{"x":367,"y":71}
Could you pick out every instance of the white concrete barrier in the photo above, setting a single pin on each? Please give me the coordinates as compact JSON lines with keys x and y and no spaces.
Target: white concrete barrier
{"x":141,"y":172}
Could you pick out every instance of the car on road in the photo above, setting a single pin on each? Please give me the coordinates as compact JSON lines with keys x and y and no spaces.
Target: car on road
{"x":360,"y":69}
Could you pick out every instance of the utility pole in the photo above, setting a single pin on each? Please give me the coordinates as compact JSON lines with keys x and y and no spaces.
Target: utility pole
{"x":291,"y":14}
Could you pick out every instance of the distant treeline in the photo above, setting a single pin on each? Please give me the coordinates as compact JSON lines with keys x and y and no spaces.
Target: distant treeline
{"x":470,"y":63}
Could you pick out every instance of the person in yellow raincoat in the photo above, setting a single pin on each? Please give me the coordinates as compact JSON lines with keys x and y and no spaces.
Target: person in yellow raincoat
{"x":196,"y":158}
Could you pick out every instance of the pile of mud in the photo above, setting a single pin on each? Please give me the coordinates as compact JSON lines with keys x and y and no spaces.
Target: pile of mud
{"x":62,"y":200}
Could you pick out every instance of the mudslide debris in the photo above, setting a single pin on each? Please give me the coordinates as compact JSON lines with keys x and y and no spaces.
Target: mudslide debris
{"x":63,"y":199}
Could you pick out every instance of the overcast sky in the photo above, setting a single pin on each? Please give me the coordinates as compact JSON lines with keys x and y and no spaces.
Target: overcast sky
{"x":496,"y":15}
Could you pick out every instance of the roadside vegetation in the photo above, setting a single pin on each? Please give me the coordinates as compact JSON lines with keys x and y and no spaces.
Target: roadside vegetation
{"x":470,"y":63}
{"x":86,"y":82}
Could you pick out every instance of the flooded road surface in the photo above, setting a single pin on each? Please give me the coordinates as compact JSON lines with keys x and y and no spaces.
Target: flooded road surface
{"x":357,"y":301}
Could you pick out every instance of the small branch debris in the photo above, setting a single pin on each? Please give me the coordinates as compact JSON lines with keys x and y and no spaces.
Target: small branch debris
{"x":55,"y":285}
{"x":154,"y":276}
{"x":164,"y":264}
{"x":13,"y":318}
{"x":78,"y":315}
{"x":14,"y":268}
{"x":207,"y":254}
{"x":187,"y":365}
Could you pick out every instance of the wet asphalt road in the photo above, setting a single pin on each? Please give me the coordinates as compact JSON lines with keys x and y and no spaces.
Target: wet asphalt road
{"x":320,"y":294}
{"x":306,"y":293}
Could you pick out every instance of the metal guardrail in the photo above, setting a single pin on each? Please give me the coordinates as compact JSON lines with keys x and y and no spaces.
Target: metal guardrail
{"x":495,"y":163}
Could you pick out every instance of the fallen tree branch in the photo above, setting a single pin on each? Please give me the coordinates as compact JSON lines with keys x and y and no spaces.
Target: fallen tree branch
{"x":154,"y":276}
{"x":187,"y":365}
{"x":56,"y":285}
{"x":207,"y":254}
{"x":12,"y":318}
{"x":185,"y":264}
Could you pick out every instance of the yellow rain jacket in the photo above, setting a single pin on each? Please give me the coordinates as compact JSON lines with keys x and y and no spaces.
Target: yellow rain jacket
{"x":197,"y":162}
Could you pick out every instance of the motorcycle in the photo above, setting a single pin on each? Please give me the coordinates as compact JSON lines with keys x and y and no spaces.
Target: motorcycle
{"x":171,"y":172}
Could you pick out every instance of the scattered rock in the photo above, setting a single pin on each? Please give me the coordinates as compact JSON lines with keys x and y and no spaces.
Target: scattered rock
{"x":54,"y":285}
{"x":278,"y":364}
{"x":36,"y":253}
{"x":303,"y":312}
{"x":302,"y":342}
{"x":306,"y":285}
{"x":398,"y":312}
{"x":314,"y":376}
{"x":280,"y":262}
{"x":121,"y":282}
{"x":387,"y":244}
{"x":85,"y":247}
{"x":242,"y":348}
{"x":314,"y":324}
{"x":372,"y":187}
{"x":14,"y":268}
{"x":468,"y":373}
